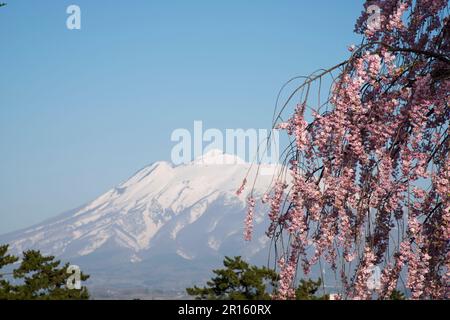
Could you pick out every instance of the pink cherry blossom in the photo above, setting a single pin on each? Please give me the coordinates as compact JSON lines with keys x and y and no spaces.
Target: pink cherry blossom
{"x":366,"y":180}
{"x":249,"y":218}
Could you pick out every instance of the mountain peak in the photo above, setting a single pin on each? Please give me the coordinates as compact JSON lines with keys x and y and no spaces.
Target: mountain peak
{"x":162,"y":212}
{"x":218,"y":157}
{"x":213,"y":153}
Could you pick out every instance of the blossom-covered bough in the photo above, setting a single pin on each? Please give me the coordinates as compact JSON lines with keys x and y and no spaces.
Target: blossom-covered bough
{"x":365,"y":181}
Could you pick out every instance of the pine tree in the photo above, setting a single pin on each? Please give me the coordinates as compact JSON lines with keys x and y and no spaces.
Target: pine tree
{"x":307,"y":290}
{"x":5,"y":260}
{"x":237,"y":281}
{"x":242,"y":281}
{"x":39,"y":278}
{"x":397,"y":295}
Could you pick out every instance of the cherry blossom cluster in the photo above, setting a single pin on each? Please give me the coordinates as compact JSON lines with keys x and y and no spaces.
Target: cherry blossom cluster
{"x":249,"y":218}
{"x":285,"y":288}
{"x":367,"y":181}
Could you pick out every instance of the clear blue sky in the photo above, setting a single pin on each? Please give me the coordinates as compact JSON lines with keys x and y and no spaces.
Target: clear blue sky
{"x":80,"y":111}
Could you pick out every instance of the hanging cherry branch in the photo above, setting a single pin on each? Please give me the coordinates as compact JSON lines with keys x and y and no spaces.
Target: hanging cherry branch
{"x":366,"y":173}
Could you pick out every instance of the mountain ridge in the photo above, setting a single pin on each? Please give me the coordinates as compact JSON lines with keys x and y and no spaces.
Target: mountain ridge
{"x":162,"y":213}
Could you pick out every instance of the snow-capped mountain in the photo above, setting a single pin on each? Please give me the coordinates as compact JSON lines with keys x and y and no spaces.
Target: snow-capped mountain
{"x":164,"y":227}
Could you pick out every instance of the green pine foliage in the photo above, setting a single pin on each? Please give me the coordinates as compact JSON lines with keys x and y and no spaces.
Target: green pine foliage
{"x":307,"y":290}
{"x":5,"y":260}
{"x":397,"y":295}
{"x":241,"y":281}
{"x":37,"y":277}
{"x":237,"y":281}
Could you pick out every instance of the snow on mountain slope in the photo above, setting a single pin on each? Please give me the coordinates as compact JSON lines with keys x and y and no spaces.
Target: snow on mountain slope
{"x":190,"y":211}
